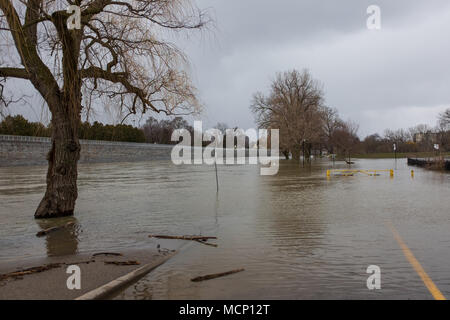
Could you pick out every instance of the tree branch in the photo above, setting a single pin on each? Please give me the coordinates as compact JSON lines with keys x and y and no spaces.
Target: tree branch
{"x":39,"y":73}
{"x":94,"y":8}
{"x":31,"y":16}
{"x":119,"y":77}
{"x":14,"y":73}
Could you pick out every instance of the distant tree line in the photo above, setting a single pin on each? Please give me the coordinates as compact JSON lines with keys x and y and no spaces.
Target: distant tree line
{"x":421,"y":138}
{"x":295,"y":105}
{"x":160,"y":131}
{"x":18,"y":125}
{"x":108,"y":132}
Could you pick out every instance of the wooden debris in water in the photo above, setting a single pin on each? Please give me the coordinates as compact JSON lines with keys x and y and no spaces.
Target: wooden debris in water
{"x":49,"y":230}
{"x":123,"y":263}
{"x":107,"y":254}
{"x":31,"y":270}
{"x":191,"y":238}
{"x":199,"y":239}
{"x":80,"y":262}
{"x":216,"y":275}
{"x":46,"y":267}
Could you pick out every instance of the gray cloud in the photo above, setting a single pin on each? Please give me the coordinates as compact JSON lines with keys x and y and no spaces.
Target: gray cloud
{"x":391,"y":78}
{"x":394,"y":77}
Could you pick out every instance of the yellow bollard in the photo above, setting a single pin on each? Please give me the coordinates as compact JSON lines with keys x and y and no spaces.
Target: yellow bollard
{"x":328,"y":173}
{"x":412,"y":173}
{"x":392,"y":173}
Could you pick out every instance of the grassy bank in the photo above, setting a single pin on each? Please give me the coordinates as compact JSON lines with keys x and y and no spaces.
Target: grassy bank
{"x":391,"y":155}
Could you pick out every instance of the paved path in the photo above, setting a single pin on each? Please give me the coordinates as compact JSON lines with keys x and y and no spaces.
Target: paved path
{"x":52,"y":284}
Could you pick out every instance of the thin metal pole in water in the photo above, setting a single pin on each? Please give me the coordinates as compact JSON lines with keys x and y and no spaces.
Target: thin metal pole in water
{"x":215,"y":166}
{"x":395,"y":151}
{"x":303,"y":147}
{"x":395,"y":154}
{"x":217,"y":178}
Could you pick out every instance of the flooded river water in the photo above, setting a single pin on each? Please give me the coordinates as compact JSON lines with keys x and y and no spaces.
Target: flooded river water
{"x":298,"y":234}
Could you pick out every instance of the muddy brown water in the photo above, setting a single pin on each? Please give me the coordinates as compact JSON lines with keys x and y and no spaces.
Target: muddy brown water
{"x":298,"y":234}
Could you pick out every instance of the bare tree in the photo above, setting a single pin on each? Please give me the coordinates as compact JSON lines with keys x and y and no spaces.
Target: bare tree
{"x":292,"y":106}
{"x":119,"y":55}
{"x":443,"y":130}
{"x":346,"y":138}
{"x":399,"y":137}
{"x":222,"y":127}
{"x":330,"y":124}
{"x":444,"y":119}
{"x":161,"y":131}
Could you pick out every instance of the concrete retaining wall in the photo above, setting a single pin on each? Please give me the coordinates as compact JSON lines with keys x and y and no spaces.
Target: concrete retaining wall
{"x":19,"y":150}
{"x":22,"y":151}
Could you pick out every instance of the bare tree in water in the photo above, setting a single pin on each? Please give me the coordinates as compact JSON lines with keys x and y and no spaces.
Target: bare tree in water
{"x":119,"y":54}
{"x":330,"y":124}
{"x":346,"y":138}
{"x":444,"y":119}
{"x":294,"y":107}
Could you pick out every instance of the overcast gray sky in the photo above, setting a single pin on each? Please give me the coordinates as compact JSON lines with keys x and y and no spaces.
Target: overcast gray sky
{"x":396,"y":77}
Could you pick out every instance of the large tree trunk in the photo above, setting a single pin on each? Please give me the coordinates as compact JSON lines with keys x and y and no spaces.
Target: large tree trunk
{"x":61,"y":194}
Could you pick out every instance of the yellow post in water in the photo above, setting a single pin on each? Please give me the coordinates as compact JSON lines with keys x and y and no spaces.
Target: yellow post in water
{"x":412,"y":173}
{"x":392,"y":173}
{"x":328,"y":173}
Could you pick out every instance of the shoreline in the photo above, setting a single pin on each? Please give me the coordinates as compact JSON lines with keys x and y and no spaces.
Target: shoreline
{"x":51,"y":284}
{"x":400,"y":155}
{"x":433,"y":164}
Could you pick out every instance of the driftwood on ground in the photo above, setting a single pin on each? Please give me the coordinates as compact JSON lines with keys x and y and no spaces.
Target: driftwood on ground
{"x":123,"y":263}
{"x":27,"y":271}
{"x":23,"y":272}
{"x":107,"y":254}
{"x":206,"y":243}
{"x":216,"y":275}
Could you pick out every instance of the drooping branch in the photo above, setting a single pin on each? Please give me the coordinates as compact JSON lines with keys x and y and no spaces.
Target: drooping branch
{"x":94,"y":8}
{"x":25,"y":42}
{"x":119,"y":43}
{"x":122,"y":78}
{"x":120,"y":53}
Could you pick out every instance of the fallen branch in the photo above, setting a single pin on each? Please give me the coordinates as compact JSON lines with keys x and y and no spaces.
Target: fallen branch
{"x":107,"y":254}
{"x":80,"y":262}
{"x":123,"y":263}
{"x":191,"y":238}
{"x":46,"y":267}
{"x":206,"y":243}
{"x":28,"y":271}
{"x":216,"y":275}
{"x":49,"y":230}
